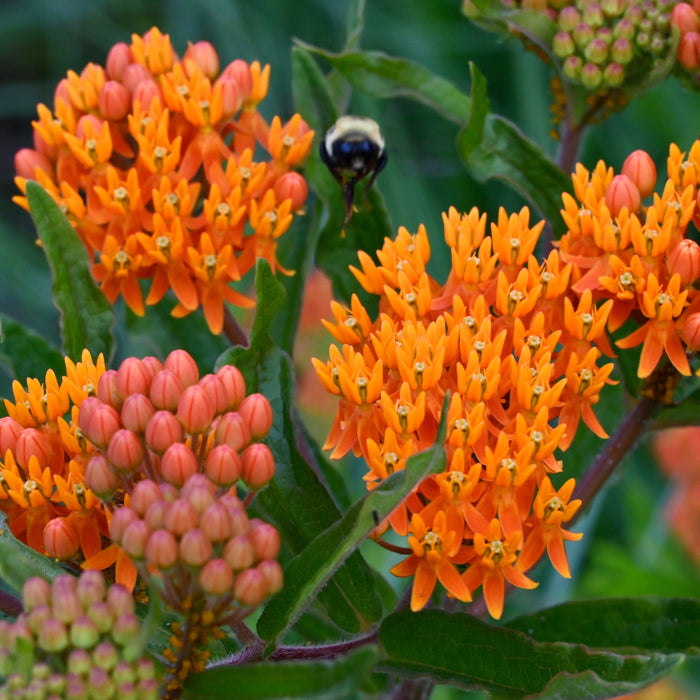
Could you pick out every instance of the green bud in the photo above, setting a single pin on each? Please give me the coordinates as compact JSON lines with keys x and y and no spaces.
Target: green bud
{"x":569,"y":17}
{"x":53,"y":636}
{"x":658,"y":45}
{"x":583,"y":33}
{"x":624,"y":29}
{"x":572,"y":68}
{"x":84,"y":633}
{"x":612,"y":8}
{"x":593,"y":14}
{"x":563,"y":44}
{"x":621,"y":51}
{"x":596,"y":51}
{"x":634,"y":14}
{"x":591,"y":76}
{"x":614,"y":75}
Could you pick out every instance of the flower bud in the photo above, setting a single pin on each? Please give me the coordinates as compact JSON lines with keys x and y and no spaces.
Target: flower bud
{"x":216,"y":523}
{"x":105,"y":656}
{"x":101,"y":615}
{"x":231,"y":99}
{"x":84,"y":633}
{"x":689,"y":50}
{"x":33,"y":443}
{"x":684,"y":260}
{"x":133,"y":377}
{"x":155,"y":514}
{"x":107,"y":391}
{"x":622,"y":51}
{"x":178,"y":464}
{"x":119,"y":600}
{"x":10,"y":430}
{"x":143,"y":494}
{"x":79,"y":662}
{"x":593,"y":14}
{"x":161,"y":550}
{"x":152,"y":364}
{"x":596,"y":51}
{"x":273,"y":575}
{"x":591,"y":76}
{"x":125,"y":451}
{"x":35,"y":591}
{"x":583,"y":33}
{"x":250,"y":588}
{"x":613,"y":8}
{"x":195,"y":410}
{"x":240,"y":71}
{"x":180,"y":517}
{"x":690,"y":331}
{"x":115,"y":100}
{"x":257,"y":465}
{"x":205,"y":56}
{"x":234,"y":385}
{"x":66,"y":606}
{"x":214,"y":388}
{"x":685,"y":18}
{"x":257,"y":413}
{"x":239,"y":552}
{"x":100,"y":478}
{"x":216,"y":577}
{"x":166,"y":389}
{"x":118,"y":58}
{"x":126,"y":628}
{"x":134,"y":74}
{"x":163,"y":430}
{"x":624,"y":29}
{"x":61,"y":539}
{"x":613,"y":75}
{"x":621,"y":193}
{"x":641,"y":170}
{"x":266,"y":540}
{"x":184,"y":366}
{"x":572,"y":68}
{"x":52,"y":636}
{"x":195,"y":548}
{"x":37,"y":617}
{"x":292,"y":186}
{"x":569,"y":17}
{"x":91,"y":587}
{"x":135,"y":539}
{"x":28,"y":161}
{"x":233,"y":430}
{"x":223,"y":466}
{"x":98,"y":421}
{"x":121,"y":519}
{"x":136,"y":412}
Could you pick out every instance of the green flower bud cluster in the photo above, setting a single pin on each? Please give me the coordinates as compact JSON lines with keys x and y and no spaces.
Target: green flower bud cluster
{"x":75,"y":639}
{"x":602,"y":43}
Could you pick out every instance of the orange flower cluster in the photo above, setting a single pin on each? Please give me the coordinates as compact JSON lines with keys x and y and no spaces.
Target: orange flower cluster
{"x":153,"y":159}
{"x":42,"y":463}
{"x":520,"y":358}
{"x":639,"y":257}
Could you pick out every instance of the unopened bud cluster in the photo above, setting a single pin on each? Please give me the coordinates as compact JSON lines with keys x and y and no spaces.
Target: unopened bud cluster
{"x":77,"y":639}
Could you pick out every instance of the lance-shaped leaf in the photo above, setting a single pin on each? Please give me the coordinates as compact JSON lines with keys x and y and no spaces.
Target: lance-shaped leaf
{"x":340,"y":678}
{"x":668,"y":625}
{"x":86,"y":315}
{"x":460,"y":650}
{"x":309,"y":572}
{"x":493,"y":147}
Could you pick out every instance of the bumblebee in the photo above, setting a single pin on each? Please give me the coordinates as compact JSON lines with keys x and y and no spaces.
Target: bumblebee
{"x":352,"y":149}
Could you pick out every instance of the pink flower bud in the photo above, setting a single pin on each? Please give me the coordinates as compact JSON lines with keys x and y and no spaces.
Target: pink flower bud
{"x":184,"y":366}
{"x":61,"y":539}
{"x":266,"y":540}
{"x":100,"y":478}
{"x":216,"y":523}
{"x":107,"y":391}
{"x":257,"y":465}
{"x":273,"y":575}
{"x":161,"y":550}
{"x":691,"y":331}
{"x":689,"y":50}
{"x":684,"y":260}
{"x":205,"y":56}
{"x":66,"y":606}
{"x":99,"y":612}
{"x":143,"y":495}
{"x":35,"y":591}
{"x":292,"y":186}
{"x":126,"y":628}
{"x":33,"y":443}
{"x":257,"y":413}
{"x":591,"y":76}
{"x":569,"y":17}
{"x":223,"y":466}
{"x":231,"y":100}
{"x":53,"y":636}
{"x":120,"y":600}
{"x":166,"y":389}
{"x":135,"y":539}
{"x":152,"y":364}
{"x":145,"y":92}
{"x":195,"y":410}
{"x":233,"y":430}
{"x":240,"y":71}
{"x":115,"y":100}
{"x":118,"y":58}
{"x":121,"y":519}
{"x":136,"y":412}
{"x":27,"y":161}
{"x":134,"y":74}
{"x":178,"y":464}
{"x":250,"y":588}
{"x":216,"y":577}
{"x":215,"y":389}
{"x":195,"y":548}
{"x":91,"y":587}
{"x":133,"y":377}
{"x":105,"y":656}
{"x":234,"y":385}
{"x":180,"y":517}
{"x":685,"y":18}
{"x":621,"y":193}
{"x":99,"y":422}
{"x":200,"y":497}
{"x":641,"y":170}
{"x":125,"y":451}
{"x":37,"y":617}
{"x":10,"y":430}
{"x":155,"y":515}
{"x":239,"y":552}
{"x":84,"y":633}
{"x":82,"y":130}
{"x":162,"y":431}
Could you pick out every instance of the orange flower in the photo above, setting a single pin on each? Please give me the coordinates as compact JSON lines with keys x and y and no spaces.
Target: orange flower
{"x":434,"y":549}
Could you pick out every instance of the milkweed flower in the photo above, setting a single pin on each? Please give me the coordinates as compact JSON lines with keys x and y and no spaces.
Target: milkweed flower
{"x":519,"y":354}
{"x":155,"y":160}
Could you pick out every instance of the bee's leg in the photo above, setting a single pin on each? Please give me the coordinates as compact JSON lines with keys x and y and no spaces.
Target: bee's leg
{"x":349,"y":199}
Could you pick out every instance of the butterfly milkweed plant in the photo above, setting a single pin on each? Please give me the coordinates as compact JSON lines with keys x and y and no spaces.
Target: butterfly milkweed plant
{"x":278,"y":448}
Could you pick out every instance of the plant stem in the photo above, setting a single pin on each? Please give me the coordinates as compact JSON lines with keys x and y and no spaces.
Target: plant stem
{"x":233,"y":331}
{"x":325,"y":651}
{"x":10,"y":605}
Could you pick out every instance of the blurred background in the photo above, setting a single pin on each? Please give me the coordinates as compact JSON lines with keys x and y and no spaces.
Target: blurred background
{"x":628,"y":548}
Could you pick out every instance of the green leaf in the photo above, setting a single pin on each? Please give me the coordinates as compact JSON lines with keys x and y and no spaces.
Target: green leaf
{"x":387,"y":77}
{"x":87,"y":317}
{"x":308,"y":573}
{"x":668,"y":625}
{"x":26,"y":353}
{"x":340,"y":678}
{"x":19,"y":562}
{"x":463,"y":651}
{"x":493,"y":147}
